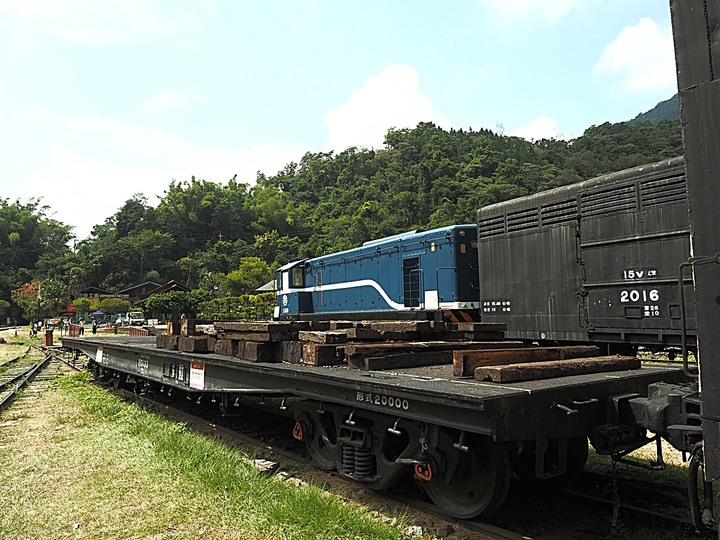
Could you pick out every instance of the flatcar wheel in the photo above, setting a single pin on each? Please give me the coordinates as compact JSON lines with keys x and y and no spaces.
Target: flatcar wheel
{"x":468,"y":484}
{"x":318,"y":436}
{"x":322,"y":453}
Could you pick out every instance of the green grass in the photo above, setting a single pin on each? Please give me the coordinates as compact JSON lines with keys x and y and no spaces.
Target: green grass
{"x":96,"y":466}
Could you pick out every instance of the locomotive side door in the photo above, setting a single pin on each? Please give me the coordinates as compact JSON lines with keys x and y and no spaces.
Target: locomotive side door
{"x":411,"y":282}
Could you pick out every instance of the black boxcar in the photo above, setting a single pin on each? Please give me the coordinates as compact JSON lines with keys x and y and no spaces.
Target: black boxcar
{"x":593,"y":261}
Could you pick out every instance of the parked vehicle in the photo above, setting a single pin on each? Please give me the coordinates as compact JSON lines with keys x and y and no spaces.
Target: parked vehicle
{"x":131,"y":318}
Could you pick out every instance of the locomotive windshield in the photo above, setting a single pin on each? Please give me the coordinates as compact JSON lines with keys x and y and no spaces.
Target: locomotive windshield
{"x":298,"y":277}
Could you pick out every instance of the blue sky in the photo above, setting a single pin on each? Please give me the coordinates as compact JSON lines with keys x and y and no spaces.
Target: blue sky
{"x":100,"y":100}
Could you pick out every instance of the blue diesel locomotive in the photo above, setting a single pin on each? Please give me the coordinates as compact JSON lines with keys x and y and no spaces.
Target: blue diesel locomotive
{"x":413,"y":275}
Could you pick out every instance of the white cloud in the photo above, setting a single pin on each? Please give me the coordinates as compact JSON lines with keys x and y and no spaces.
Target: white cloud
{"x":390,"y":99}
{"x":542,"y":127}
{"x":549,"y":11}
{"x":643,"y":56}
{"x":98,"y":23}
{"x":87,"y":167}
{"x":171,"y":99}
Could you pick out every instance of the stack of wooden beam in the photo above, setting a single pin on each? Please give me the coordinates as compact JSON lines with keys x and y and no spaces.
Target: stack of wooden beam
{"x":360,"y":344}
{"x":474,"y":349}
{"x":530,"y":363}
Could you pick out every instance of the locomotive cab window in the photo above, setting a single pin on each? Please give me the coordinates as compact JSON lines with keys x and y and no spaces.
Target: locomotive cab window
{"x":298,"y":277}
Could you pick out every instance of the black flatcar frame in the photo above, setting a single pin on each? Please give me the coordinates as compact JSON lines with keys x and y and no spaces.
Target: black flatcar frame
{"x":544,"y":409}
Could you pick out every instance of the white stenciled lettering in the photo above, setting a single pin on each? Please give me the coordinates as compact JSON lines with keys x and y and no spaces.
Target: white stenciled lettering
{"x":636,"y":273}
{"x":639,"y":295}
{"x":390,"y":402}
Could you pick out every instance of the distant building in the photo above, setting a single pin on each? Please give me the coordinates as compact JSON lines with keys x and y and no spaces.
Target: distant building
{"x":171,"y":285}
{"x":95,"y":292}
{"x":138,"y":293}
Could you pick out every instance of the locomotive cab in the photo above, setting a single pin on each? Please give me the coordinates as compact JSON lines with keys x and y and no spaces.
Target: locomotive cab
{"x":293,"y":298}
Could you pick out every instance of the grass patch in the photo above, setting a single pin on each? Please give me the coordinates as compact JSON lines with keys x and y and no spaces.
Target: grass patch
{"x":87,"y":464}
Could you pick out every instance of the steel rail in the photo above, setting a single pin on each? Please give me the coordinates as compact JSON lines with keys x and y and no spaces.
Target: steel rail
{"x":22,"y":380}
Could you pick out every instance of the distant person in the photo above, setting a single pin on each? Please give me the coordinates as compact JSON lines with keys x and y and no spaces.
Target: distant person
{"x":94,"y":326}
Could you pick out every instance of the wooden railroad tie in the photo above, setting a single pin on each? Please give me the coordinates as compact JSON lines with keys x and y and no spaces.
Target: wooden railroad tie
{"x":189,"y":327}
{"x":316,"y":354}
{"x":259,"y":352}
{"x":322,"y":337}
{"x":368,"y":345}
{"x":557,"y":368}
{"x":466,"y":361}
{"x":396,"y":355}
{"x":195,"y":344}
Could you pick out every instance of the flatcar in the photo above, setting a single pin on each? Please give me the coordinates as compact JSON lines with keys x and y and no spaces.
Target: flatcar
{"x":595,"y":261}
{"x":414,"y":275}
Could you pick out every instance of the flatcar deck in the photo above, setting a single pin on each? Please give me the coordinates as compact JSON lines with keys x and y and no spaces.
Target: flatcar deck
{"x":558,"y":407}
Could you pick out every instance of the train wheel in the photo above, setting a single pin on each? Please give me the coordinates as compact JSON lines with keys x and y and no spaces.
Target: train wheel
{"x":467,"y":484}
{"x":321,"y":452}
{"x":318,"y":434}
{"x":523,"y":465}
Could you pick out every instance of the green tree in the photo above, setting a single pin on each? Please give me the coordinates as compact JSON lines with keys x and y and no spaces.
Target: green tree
{"x":171,"y":302}
{"x":114,"y":306}
{"x":54,"y":296}
{"x":252,"y":273}
{"x":27,"y":298}
{"x":134,"y":217}
{"x":32,"y":245}
{"x":82,"y":306}
{"x":201,"y":232}
{"x":277,"y":250}
{"x":199,"y":213}
{"x":4,"y":308}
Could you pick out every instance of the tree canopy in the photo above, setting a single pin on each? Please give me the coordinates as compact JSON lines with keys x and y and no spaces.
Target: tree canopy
{"x":227,"y":237}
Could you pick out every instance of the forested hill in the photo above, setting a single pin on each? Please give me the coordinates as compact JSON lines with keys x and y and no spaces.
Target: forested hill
{"x":665,"y":110}
{"x":228,"y":234}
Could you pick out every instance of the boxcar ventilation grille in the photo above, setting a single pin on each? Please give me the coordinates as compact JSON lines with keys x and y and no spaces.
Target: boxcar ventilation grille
{"x":492,"y":226}
{"x":522,"y":220}
{"x":664,"y":191}
{"x":559,"y":212}
{"x":608,"y":201}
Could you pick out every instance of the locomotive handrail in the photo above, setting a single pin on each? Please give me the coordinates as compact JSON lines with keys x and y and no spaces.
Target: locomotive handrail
{"x":421,"y":288}
{"x":437,"y":276}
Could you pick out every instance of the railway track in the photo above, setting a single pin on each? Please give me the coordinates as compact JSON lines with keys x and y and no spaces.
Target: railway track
{"x":36,"y":366}
{"x":597,"y":503}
